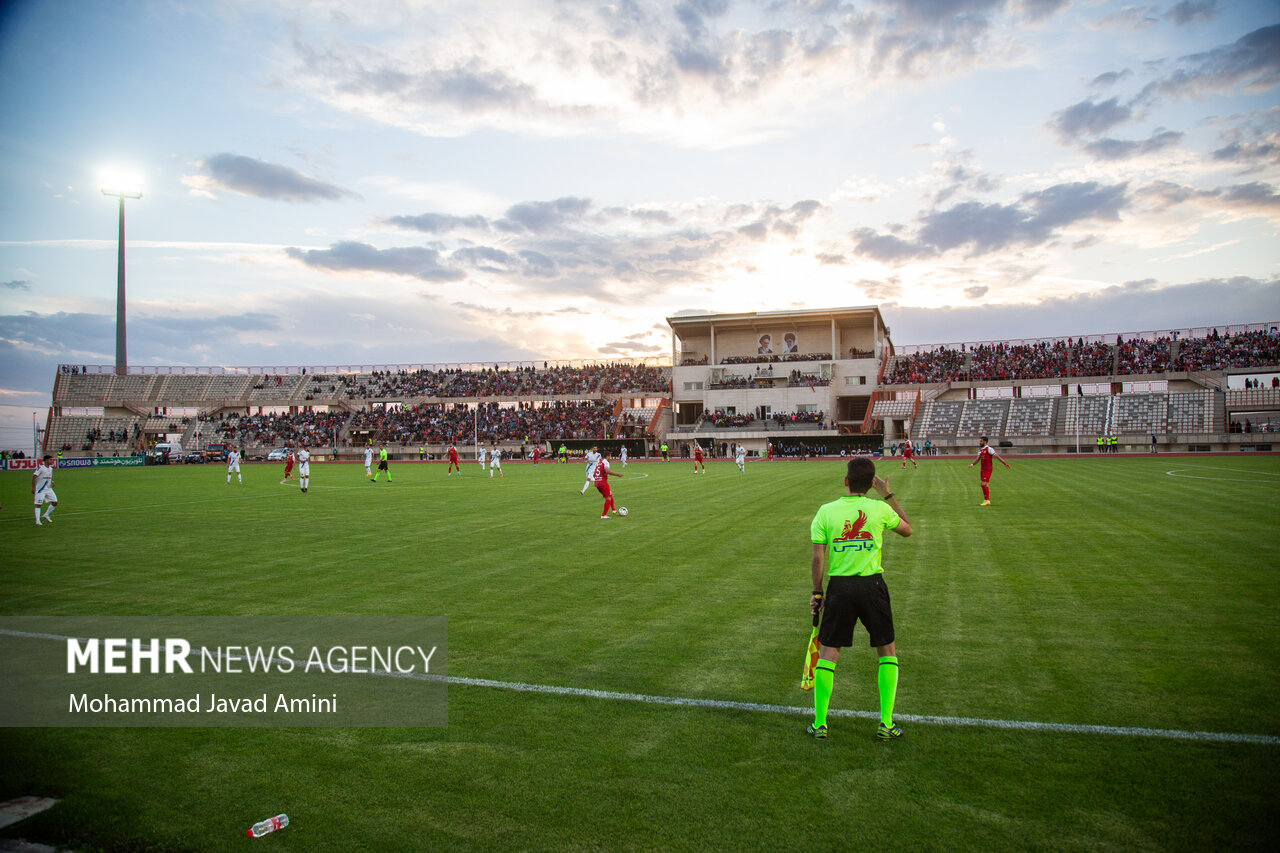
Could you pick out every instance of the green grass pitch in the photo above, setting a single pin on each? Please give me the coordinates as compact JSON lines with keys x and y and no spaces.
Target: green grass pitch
{"x":1104,"y":592}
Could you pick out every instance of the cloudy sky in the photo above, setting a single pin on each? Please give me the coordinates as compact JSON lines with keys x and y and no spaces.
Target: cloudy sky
{"x":334,"y":182}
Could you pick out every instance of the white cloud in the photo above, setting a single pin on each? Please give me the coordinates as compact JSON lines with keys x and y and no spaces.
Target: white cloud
{"x":696,"y":75}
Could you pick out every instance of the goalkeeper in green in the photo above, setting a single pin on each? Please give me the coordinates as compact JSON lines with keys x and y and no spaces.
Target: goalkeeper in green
{"x":847,"y":536}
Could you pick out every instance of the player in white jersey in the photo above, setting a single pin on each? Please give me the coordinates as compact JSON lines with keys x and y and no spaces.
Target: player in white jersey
{"x":304,"y":468}
{"x":480,"y":454}
{"x":42,"y":489}
{"x":623,"y":456}
{"x":495,"y":461}
{"x":593,"y":458}
{"x":740,"y":456}
{"x":368,"y":461}
{"x":233,"y":466}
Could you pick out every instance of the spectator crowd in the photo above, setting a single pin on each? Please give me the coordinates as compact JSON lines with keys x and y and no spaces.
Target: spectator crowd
{"x":525,"y":421}
{"x":496,"y":382}
{"x":1067,"y":358}
{"x":310,"y":428}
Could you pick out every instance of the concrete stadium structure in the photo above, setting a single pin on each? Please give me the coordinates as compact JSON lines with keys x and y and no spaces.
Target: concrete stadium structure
{"x":803,"y":382}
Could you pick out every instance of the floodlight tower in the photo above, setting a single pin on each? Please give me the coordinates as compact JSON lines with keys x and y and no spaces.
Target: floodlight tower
{"x":121,"y":191}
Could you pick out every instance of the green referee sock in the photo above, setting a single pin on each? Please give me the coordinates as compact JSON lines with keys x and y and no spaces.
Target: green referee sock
{"x":887,"y":678}
{"x":824,"y":682}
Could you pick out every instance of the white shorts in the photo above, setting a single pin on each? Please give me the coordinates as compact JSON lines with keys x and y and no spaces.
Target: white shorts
{"x":495,"y":462}
{"x":304,"y":470}
{"x":233,"y":468}
{"x":46,"y":496}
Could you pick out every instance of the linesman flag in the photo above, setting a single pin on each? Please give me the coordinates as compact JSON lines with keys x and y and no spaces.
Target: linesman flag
{"x":811,"y":654}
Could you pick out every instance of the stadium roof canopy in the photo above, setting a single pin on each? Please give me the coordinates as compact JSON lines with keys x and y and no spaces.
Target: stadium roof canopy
{"x":684,"y":326}
{"x":771,"y":319}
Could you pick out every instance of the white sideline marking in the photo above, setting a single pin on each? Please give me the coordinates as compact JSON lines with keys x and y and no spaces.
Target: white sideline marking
{"x":792,"y":710}
{"x":1177,"y":472}
{"x":798,"y":710}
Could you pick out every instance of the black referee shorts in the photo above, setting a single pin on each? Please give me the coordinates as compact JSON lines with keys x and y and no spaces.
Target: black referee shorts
{"x":382,"y":465}
{"x":851,"y":598}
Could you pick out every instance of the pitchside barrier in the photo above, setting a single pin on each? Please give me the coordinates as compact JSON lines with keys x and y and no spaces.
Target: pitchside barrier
{"x":76,"y":462}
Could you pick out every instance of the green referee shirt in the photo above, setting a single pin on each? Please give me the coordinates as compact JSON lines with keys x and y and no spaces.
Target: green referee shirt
{"x":852,"y":528}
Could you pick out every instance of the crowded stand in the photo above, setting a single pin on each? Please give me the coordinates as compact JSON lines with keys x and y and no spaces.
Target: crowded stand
{"x":796,"y":379}
{"x":381,"y":384}
{"x":1219,"y":352}
{"x":785,"y":419}
{"x":1040,"y":360}
{"x":721,"y":420}
{"x":434,"y":423}
{"x":306,"y":428}
{"x":730,"y":381}
{"x":940,"y":365}
{"x":1137,"y":356}
{"x":1004,"y":361}
{"x":494,"y":382}
{"x":1091,"y":359}
{"x":773,"y":359}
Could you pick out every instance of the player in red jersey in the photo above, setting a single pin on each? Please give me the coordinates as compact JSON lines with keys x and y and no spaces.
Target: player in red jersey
{"x":601,"y":474}
{"x":537,"y":451}
{"x":908,"y":452}
{"x":453,"y":461}
{"x":986,"y":456}
{"x":288,"y":468}
{"x":697,"y":458}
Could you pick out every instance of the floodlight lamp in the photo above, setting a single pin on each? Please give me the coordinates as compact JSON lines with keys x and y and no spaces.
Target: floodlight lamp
{"x":121,"y":185}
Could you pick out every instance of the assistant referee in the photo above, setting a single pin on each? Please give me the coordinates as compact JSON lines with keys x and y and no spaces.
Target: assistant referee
{"x":847,"y":535}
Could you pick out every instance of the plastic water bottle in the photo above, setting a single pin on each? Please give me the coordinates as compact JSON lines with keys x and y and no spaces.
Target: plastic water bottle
{"x":271,"y":824}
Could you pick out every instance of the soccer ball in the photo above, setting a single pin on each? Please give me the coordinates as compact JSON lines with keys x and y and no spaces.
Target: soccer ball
{"x":622,"y":510}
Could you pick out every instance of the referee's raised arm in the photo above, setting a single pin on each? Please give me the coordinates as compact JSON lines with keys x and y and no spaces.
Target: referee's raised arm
{"x":882,"y":489}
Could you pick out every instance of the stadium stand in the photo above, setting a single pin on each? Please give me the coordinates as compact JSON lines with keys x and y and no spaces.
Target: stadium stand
{"x":1130,"y":355}
{"x":310,"y":428}
{"x":1088,"y":415}
{"x":108,"y":436}
{"x":1136,"y":384}
{"x":1030,"y":417}
{"x":940,"y":418}
{"x":983,"y":417}
{"x":1141,"y":413}
{"x":893,"y":409}
{"x":1191,"y":412}
{"x":183,"y":387}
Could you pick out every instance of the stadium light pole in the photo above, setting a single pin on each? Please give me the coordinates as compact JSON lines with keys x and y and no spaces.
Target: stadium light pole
{"x":121,"y":192}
